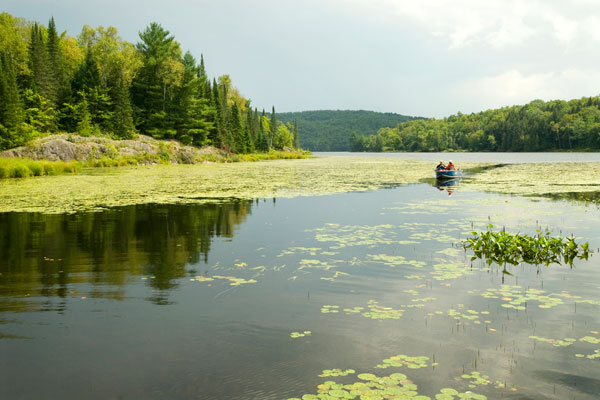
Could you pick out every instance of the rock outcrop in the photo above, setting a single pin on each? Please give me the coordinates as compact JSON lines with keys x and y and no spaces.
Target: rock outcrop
{"x":64,"y":147}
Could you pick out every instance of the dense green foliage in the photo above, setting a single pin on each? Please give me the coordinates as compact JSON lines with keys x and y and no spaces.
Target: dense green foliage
{"x":329,"y":130}
{"x":537,"y":126}
{"x":98,"y":83}
{"x":504,"y":248}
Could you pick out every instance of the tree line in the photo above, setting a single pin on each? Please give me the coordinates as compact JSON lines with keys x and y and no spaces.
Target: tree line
{"x":537,"y":126}
{"x":98,"y":83}
{"x":329,"y":130}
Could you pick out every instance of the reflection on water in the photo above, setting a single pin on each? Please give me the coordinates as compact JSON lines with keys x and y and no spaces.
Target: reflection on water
{"x":448,"y":185}
{"x":378,"y":279}
{"x":42,"y":255}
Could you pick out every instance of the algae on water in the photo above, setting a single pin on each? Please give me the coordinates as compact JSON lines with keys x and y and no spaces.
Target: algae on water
{"x":99,"y":189}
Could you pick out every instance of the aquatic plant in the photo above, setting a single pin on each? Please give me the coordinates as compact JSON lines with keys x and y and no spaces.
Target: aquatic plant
{"x":296,"y":335}
{"x":201,"y":183}
{"x":504,"y":248}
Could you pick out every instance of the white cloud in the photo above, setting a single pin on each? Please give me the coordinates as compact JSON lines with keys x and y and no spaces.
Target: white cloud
{"x":495,"y":23}
{"x":513,"y":87}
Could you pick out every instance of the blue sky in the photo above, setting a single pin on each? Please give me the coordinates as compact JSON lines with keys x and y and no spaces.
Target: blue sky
{"x":428,"y":58}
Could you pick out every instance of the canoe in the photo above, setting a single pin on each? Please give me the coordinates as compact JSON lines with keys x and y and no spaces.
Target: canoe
{"x":447,"y":174}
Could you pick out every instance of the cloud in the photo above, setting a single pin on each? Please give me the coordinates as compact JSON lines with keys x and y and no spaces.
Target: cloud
{"x":493,"y":23}
{"x":513,"y":87}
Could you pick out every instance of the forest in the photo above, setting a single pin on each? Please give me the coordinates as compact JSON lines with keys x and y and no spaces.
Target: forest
{"x":99,"y":84}
{"x":555,"y":125}
{"x":329,"y":130}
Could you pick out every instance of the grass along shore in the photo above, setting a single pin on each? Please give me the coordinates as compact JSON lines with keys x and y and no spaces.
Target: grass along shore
{"x":69,"y":154}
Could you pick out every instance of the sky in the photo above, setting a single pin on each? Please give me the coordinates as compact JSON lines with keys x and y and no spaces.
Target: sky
{"x":430,"y":58}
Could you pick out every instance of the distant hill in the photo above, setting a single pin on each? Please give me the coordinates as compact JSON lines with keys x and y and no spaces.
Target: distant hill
{"x":330,"y":130}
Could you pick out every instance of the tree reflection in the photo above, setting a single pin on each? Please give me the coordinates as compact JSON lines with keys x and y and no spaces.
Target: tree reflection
{"x":47,"y":256}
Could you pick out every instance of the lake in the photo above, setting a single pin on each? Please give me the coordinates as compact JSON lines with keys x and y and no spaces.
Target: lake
{"x":347,"y":295}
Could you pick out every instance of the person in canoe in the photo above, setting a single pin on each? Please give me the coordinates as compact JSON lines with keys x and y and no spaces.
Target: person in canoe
{"x":440,"y":166}
{"x":450,"y":166}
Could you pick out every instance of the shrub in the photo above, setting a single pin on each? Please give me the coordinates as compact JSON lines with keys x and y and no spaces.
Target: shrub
{"x":36,"y":168}
{"x":19,"y":171}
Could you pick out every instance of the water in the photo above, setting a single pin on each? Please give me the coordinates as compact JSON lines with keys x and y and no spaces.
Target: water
{"x":138,"y":302}
{"x":495,"y":157}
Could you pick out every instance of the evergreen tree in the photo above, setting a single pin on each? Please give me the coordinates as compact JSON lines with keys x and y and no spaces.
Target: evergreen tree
{"x":122,"y":116}
{"x":87,"y":76}
{"x":152,"y":87}
{"x":11,"y":108}
{"x":237,"y":143}
{"x":273,"y":127}
{"x":38,"y":63}
{"x":84,"y":121}
{"x":296,"y":138}
{"x":57,"y":72}
{"x":262,"y":140}
{"x":215,"y":135}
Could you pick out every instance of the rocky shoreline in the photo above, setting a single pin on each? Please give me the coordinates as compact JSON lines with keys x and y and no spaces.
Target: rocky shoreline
{"x":68,"y":147}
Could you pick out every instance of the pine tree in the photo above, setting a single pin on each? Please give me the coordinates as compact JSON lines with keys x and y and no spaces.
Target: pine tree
{"x":237,"y":142}
{"x":38,"y":64}
{"x":87,"y":76}
{"x":57,"y":72}
{"x":215,"y":136}
{"x":151,"y":91}
{"x":122,"y":116}
{"x":11,"y":108}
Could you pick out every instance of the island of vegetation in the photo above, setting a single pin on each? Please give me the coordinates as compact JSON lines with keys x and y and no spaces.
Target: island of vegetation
{"x":556,"y":125}
{"x":149,"y":102}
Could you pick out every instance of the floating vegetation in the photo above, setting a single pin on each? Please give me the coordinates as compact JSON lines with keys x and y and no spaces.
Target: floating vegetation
{"x":515,"y":297}
{"x":590,"y":339}
{"x":315,"y":264}
{"x":313,"y":251}
{"x":594,"y":355}
{"x":201,"y":182}
{"x":336,"y":372}
{"x":471,"y":315}
{"x":534,"y":179}
{"x":504,"y":248}
{"x":372,"y":387}
{"x":233,"y":281}
{"x":336,"y":275}
{"x":373,"y":311}
{"x":355,"y":235}
{"x":414,"y":276}
{"x":393,"y":261}
{"x":296,"y":335}
{"x":476,"y":379}
{"x":379,"y":312}
{"x":424,"y":299}
{"x":433,"y":236}
{"x":555,"y":342}
{"x":447,"y":271}
{"x":330,"y":309}
{"x":402,"y":360}
{"x":200,"y":278}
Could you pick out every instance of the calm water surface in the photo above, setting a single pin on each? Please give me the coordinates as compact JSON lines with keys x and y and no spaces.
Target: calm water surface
{"x":495,"y":157}
{"x":199,"y":301}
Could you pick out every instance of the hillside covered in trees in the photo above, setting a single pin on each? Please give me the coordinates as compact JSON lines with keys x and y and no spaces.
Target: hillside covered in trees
{"x":538,"y":126}
{"x":330,"y":130}
{"x":98,"y":83}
